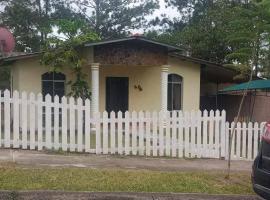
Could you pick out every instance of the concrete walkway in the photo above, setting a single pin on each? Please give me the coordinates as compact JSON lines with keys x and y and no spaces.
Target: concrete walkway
{"x":45,"y":159}
{"x":51,"y":195}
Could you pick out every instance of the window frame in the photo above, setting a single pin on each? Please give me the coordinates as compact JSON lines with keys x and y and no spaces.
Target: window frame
{"x":180,"y":82}
{"x":53,"y":80}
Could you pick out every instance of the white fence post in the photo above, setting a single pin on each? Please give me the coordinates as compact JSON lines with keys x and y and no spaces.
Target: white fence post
{"x":87,"y":123}
{"x":39,"y":121}
{"x":148,"y":135}
{"x":141,"y":133}
{"x":64,"y":124}
{"x":112,"y":132}
{"x":48,"y":121}
{"x":105,"y":132}
{"x":7,"y":118}
{"x":32,"y":108}
{"x":180,"y":121}
{"x":24,"y":120}
{"x":120,"y":133}
{"x":79,"y":124}
{"x":71,"y":123}
{"x":155,"y":135}
{"x":223,"y":135}
{"x":16,"y":118}
{"x":98,"y":133}
{"x":134,"y":132}
{"x":127,"y":133}
{"x":56,"y":122}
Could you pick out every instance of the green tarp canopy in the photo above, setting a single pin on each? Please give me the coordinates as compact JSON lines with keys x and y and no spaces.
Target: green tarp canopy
{"x":253,"y":85}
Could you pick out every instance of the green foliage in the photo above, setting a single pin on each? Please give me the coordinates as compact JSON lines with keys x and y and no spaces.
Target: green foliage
{"x":235,"y":33}
{"x":116,"y":18}
{"x":65,"y":53}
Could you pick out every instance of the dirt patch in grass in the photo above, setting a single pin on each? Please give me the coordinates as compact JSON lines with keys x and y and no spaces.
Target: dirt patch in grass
{"x":14,"y":177}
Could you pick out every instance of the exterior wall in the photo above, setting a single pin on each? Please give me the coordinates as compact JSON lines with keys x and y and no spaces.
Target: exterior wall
{"x":148,"y":77}
{"x":191,"y":82}
{"x":26,"y":75}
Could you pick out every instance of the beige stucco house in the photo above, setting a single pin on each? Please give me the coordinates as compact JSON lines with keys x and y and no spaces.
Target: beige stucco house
{"x":133,"y":73}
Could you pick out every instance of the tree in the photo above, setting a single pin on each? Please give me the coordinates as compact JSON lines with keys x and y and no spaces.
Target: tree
{"x":31,"y":21}
{"x":235,"y":33}
{"x":116,"y":18}
{"x":60,"y":53}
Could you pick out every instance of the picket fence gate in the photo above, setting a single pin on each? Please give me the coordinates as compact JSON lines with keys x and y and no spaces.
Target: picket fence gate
{"x":66,"y":124}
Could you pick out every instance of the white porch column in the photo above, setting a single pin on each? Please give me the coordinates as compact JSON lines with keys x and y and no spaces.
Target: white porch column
{"x":164,"y":87}
{"x":95,"y":88}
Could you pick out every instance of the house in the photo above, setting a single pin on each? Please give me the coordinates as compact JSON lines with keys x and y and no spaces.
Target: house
{"x":132,"y":73}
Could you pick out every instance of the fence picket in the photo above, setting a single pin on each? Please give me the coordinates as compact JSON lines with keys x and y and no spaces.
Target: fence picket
{"x":134,"y":132}
{"x":223,"y":135}
{"x":48,"y":121}
{"x":217,"y":133}
{"x":39,"y":121}
{"x":238,"y":139}
{"x":227,"y":135}
{"x":161,"y":134}
{"x":56,"y":122}
{"x":96,"y":126}
{"x":112,"y":132}
{"x":64,"y":131}
{"x":199,"y":134}
{"x":154,"y":127}
{"x":249,"y":145}
{"x":187,"y":134}
{"x":80,"y":124}
{"x":105,"y":132}
{"x":174,"y":138}
{"x":211,"y":134}
{"x":192,"y":134}
{"x":24,"y":120}
{"x":205,"y":134}
{"x":148,"y":134}
{"x":233,"y":140}
{"x":71,"y":122}
{"x":168,"y":134}
{"x":255,"y":140}
{"x":127,"y":133}
{"x":7,"y":118}
{"x":141,"y":133}
{"x":32,"y":108}
{"x":120,"y":133}
{"x":16,"y":120}
{"x":180,"y":134}
{"x":244,"y":140}
{"x":87,"y":124}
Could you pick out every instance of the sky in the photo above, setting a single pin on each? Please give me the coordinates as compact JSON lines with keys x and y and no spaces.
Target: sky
{"x":170,"y":12}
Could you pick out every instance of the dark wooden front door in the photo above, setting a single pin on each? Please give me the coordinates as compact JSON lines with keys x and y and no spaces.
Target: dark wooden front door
{"x":117,"y":94}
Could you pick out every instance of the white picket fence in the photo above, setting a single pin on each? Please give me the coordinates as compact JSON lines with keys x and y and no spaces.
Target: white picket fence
{"x":28,"y":122}
{"x":246,"y":139}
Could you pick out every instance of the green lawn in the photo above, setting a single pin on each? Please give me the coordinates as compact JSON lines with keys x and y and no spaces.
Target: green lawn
{"x":77,"y":179}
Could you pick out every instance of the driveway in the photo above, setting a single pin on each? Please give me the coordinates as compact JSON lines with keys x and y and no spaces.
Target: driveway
{"x":47,"y":159}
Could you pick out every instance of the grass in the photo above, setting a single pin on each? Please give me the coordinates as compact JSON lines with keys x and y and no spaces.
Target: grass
{"x":15,"y":178}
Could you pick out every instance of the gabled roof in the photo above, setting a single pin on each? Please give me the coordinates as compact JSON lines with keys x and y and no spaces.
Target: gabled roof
{"x":134,"y":38}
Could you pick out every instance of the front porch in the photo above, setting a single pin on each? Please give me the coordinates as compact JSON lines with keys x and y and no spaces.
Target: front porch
{"x":128,"y":88}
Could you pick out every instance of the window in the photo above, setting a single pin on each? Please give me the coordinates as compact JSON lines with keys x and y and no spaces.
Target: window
{"x":53,"y":84}
{"x":174,"y":92}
